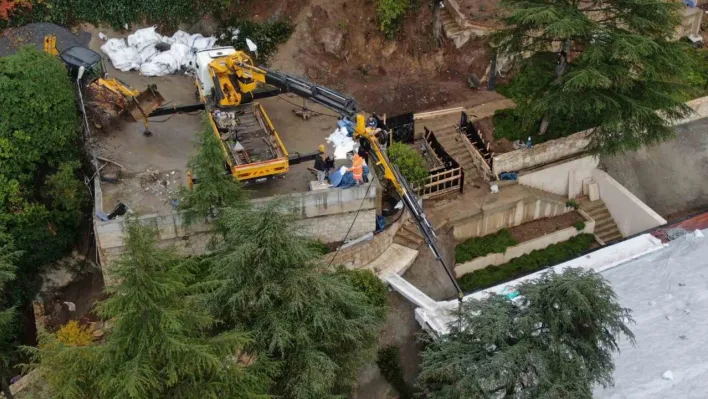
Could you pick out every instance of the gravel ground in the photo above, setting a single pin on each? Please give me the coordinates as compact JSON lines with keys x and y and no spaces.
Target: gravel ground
{"x":12,"y":39}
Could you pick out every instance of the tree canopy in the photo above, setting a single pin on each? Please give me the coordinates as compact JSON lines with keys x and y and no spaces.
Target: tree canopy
{"x":614,"y":66}
{"x":40,"y":195}
{"x":311,"y":319}
{"x":556,"y":341}
{"x":160,"y":341}
{"x":215,"y":187}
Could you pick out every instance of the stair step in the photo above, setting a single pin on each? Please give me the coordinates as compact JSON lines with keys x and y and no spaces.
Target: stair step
{"x":590,"y":206}
{"x":601,"y":223}
{"x":606,"y":229}
{"x":612,"y":237}
{"x":411,"y":233}
{"x":405,"y":242}
{"x":601,"y":215}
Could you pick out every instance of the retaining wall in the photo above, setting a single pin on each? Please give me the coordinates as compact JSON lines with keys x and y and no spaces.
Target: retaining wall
{"x":365,"y":252}
{"x":629,"y":212}
{"x":506,"y":216}
{"x":324,"y":214}
{"x":523,"y":248}
{"x":564,"y":178}
{"x":541,"y":154}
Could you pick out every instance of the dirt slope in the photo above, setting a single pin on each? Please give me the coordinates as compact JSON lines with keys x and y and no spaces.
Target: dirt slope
{"x":338,"y":43}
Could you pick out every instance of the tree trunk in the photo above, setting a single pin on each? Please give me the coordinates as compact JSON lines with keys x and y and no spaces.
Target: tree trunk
{"x":437,"y":25}
{"x":560,"y":71}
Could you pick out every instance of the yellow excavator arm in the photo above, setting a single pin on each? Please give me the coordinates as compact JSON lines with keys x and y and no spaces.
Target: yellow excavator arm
{"x":235,"y":74}
{"x":50,"y":45}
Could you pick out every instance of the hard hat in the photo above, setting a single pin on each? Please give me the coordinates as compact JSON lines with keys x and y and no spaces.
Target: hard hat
{"x":321,"y":148}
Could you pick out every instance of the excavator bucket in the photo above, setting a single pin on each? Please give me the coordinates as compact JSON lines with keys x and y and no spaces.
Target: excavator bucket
{"x":140,"y":106}
{"x":50,"y":45}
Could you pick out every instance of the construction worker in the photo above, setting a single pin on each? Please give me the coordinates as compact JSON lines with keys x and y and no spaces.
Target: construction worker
{"x":321,"y":165}
{"x":357,"y":169}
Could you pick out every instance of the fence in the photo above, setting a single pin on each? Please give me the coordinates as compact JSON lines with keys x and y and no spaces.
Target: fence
{"x":445,"y":179}
{"x":478,"y":148}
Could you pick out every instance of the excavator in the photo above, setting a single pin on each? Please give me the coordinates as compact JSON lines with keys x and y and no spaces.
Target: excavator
{"x":86,"y":65}
{"x":228,"y":83}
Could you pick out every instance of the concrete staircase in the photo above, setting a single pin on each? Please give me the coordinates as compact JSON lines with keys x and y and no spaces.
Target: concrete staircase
{"x":605,"y":227}
{"x":409,"y":235}
{"x":458,"y":34}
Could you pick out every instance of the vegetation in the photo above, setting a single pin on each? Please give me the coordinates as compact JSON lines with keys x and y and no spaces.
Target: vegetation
{"x":215,"y":187}
{"x":476,"y":247}
{"x":622,"y":73}
{"x":159,"y":343}
{"x":571,"y":203}
{"x":390,"y":366}
{"x":312,"y":320}
{"x":267,"y":36}
{"x":369,"y":284}
{"x":526,"y":264}
{"x":391,"y":13}
{"x":579,"y":225}
{"x":73,"y":334}
{"x":9,"y":257}
{"x":409,"y":162}
{"x":118,"y":13}
{"x":556,"y":342}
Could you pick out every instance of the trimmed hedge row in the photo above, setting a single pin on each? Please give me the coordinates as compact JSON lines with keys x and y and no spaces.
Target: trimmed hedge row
{"x":475,"y":247}
{"x":526,"y":264}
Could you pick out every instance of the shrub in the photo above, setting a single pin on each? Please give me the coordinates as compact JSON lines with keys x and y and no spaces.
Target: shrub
{"x":390,"y":366}
{"x":409,"y":162}
{"x":73,"y":334}
{"x":391,"y":14}
{"x":579,"y":225}
{"x":319,"y":247}
{"x":366,"y":281}
{"x":475,"y":247}
{"x":526,"y":264}
{"x":571,"y":203}
{"x":267,"y":36}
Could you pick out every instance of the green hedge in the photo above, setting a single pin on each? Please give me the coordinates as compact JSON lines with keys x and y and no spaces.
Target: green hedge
{"x":526,"y":264}
{"x":475,"y":247}
{"x":390,"y":366}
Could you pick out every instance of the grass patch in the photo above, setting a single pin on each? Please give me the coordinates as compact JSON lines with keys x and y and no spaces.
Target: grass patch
{"x":475,"y":247}
{"x":526,"y":264}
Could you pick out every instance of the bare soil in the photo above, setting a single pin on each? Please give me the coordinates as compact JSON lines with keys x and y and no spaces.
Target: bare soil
{"x":486,"y":128}
{"x":537,"y":228}
{"x":410,"y":73}
{"x":483,"y":12}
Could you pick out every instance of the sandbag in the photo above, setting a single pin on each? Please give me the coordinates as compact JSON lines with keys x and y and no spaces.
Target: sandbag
{"x":122,"y":57}
{"x":160,"y":65}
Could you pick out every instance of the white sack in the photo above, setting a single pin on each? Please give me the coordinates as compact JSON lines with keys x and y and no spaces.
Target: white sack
{"x":122,"y":57}
{"x":200,"y":42}
{"x":143,"y":37}
{"x":160,"y":65}
{"x":181,"y":53}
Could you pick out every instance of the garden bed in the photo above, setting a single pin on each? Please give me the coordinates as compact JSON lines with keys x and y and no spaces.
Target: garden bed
{"x":524,"y":265}
{"x":537,"y":228}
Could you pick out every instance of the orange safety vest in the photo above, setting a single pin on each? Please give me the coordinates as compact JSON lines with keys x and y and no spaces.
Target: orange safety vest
{"x":357,"y":169}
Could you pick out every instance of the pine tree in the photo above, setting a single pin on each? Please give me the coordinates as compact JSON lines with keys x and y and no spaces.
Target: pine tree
{"x":8,"y":259}
{"x":615,"y":66}
{"x":555,"y":343}
{"x":159,"y":343}
{"x":215,"y":187}
{"x":310,"y":318}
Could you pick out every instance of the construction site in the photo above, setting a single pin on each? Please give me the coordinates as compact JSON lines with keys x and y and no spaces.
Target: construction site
{"x":271,"y":123}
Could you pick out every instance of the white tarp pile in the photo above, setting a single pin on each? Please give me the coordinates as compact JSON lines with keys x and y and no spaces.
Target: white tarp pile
{"x":138,"y":51}
{"x":342,"y":143}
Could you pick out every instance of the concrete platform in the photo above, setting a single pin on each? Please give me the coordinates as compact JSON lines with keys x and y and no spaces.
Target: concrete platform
{"x":396,"y":259}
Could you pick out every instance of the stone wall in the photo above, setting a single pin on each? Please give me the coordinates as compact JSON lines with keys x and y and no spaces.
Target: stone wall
{"x":523,"y":248}
{"x":493,"y":219}
{"x":365,"y":252}
{"x":541,"y":154}
{"x":324,"y":214}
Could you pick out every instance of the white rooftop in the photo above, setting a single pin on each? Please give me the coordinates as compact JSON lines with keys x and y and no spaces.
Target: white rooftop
{"x":665,"y":285}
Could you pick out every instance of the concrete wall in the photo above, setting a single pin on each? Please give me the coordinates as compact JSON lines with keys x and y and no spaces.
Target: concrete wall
{"x":324,"y":214}
{"x":540,"y":154}
{"x":564,"y":178}
{"x":690,"y":22}
{"x":631,"y":214}
{"x":494,"y":219}
{"x":365,"y":252}
{"x":522,"y":249}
